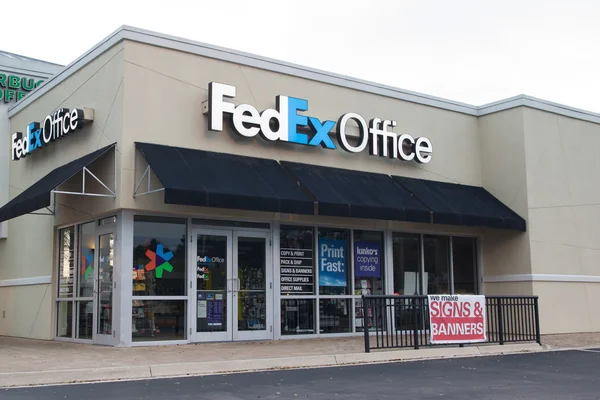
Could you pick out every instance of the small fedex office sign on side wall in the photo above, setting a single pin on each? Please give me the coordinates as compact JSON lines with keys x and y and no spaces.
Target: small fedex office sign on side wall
{"x":57,"y":125}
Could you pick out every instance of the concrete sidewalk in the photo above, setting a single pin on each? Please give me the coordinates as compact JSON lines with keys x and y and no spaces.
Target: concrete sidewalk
{"x":30,"y":362}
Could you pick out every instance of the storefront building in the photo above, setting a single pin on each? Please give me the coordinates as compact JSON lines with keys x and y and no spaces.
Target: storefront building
{"x":19,"y":75}
{"x":197,"y":194}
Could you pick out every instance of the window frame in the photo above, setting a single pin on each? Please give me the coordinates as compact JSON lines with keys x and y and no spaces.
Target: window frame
{"x":351,"y":297}
{"x":131,"y":298}
{"x":56,"y":272}
{"x":478,"y":270}
{"x":124,"y":226}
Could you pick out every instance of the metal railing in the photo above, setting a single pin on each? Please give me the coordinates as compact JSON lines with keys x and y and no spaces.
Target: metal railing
{"x":403,"y":321}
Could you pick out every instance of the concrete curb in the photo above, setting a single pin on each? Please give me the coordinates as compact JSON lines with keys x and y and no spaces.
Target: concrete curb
{"x":66,"y":376}
{"x":553,"y":348}
{"x":153,"y":371}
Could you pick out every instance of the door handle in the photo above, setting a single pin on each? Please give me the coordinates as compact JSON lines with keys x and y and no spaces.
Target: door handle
{"x":238,"y":284}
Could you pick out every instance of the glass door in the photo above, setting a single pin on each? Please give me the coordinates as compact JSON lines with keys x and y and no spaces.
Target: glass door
{"x":104,"y":271}
{"x":252,"y":289}
{"x":212,"y":286}
{"x":231,"y":285}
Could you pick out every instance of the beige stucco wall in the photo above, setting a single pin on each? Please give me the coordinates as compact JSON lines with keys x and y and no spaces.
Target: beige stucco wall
{"x":503,"y":175}
{"x":564,"y":218}
{"x":564,"y":195}
{"x":545,"y":167}
{"x":567,"y":307}
{"x":29,"y":251}
{"x":28,"y":311}
{"x":171,"y":86}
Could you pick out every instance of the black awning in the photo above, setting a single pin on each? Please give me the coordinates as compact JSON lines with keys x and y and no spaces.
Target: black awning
{"x":346,"y":193}
{"x":511,"y":219}
{"x":38,"y":195}
{"x":456,"y":204}
{"x":208,"y":179}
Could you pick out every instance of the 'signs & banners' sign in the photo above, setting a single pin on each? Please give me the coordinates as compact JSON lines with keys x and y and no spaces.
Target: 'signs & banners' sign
{"x":457,"y":319}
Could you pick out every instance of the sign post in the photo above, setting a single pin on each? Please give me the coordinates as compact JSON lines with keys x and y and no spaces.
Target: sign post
{"x":457,"y":319}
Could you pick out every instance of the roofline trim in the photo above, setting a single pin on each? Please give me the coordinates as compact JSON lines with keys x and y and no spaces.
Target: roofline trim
{"x":27,"y":58}
{"x":539,"y":104}
{"x":29,"y":73}
{"x":87,"y":57}
{"x":202,"y":49}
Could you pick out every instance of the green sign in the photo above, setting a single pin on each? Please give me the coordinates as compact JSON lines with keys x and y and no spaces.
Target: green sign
{"x":13,"y":87}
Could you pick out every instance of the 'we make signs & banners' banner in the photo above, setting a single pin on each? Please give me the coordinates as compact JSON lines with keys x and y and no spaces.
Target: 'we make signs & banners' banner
{"x":457,"y":319}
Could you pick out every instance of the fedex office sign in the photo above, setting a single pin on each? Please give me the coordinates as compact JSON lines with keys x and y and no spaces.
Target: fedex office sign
{"x":287,"y":123}
{"x":55,"y":126}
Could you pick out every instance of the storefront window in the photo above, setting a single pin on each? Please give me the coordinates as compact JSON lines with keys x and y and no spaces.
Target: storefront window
{"x":107,"y":221}
{"x":297,"y":316}
{"x":437,"y":264}
{"x":66,"y":262}
{"x":106,"y":246}
{"x":159,"y":269}
{"x":464,"y":265}
{"x":407,"y":263}
{"x":369,"y":263}
{"x":334,"y":315}
{"x":297,"y":272}
{"x":158,"y":320}
{"x":297,"y":278}
{"x":85,"y":319}
{"x":159,"y":257}
{"x":334,"y":269}
{"x":252,"y":296}
{"x":64,"y":323}
{"x":437,"y":269}
{"x":85,"y":270}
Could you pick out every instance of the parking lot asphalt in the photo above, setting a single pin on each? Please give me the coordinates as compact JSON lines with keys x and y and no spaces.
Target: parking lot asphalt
{"x":573,"y":374}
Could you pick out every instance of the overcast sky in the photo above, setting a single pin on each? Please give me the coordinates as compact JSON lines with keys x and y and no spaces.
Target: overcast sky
{"x":473,"y":51}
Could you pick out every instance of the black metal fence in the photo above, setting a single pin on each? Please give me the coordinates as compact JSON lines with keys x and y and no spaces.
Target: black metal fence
{"x":403,"y":321}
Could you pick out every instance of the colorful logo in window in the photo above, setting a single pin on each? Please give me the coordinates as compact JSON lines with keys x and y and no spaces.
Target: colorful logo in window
{"x":87,"y":264}
{"x":159,"y":261}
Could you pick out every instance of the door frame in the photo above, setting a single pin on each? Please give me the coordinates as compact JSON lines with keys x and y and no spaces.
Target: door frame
{"x":232,"y":333}
{"x":98,"y":338}
{"x":267,"y":333}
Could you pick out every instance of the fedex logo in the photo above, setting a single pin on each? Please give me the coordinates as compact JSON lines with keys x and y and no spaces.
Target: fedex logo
{"x":55,"y":126}
{"x":248,"y":121}
{"x":286,"y":123}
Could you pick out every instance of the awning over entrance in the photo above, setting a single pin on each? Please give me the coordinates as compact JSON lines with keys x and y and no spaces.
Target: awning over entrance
{"x":455,"y":204}
{"x":346,"y":193}
{"x":203,"y":178}
{"x":38,"y":195}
